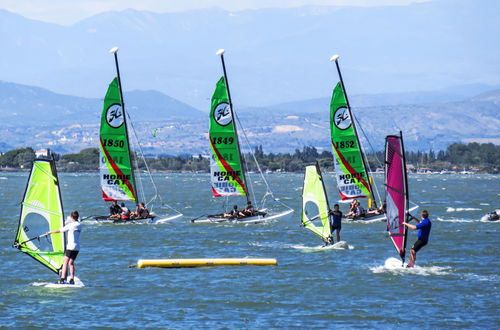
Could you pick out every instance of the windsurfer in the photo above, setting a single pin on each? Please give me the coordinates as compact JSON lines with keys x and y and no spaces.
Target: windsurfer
{"x":424,"y":230}
{"x":73,"y":227}
{"x":115,"y":210}
{"x":335,"y":221}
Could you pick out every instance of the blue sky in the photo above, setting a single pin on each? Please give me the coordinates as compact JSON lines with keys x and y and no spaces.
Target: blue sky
{"x":67,"y":12}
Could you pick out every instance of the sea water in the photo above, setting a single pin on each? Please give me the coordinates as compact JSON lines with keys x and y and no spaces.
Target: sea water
{"x":455,"y":284}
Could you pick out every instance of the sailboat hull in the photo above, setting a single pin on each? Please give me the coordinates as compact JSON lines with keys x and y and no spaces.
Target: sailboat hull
{"x":253,"y":219}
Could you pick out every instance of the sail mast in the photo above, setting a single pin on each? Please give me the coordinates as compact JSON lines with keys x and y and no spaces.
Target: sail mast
{"x":114,"y":51}
{"x":335,"y":58}
{"x":407,"y":194}
{"x":220,"y":52}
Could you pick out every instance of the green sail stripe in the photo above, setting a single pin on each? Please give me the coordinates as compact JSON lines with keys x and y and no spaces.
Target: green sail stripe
{"x":314,"y":192}
{"x":351,"y":174}
{"x":117,"y":180}
{"x":41,"y":211}
{"x":226,"y":168}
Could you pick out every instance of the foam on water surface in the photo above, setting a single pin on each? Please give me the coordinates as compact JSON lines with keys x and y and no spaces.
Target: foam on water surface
{"x":78,"y":284}
{"x":394,"y":266}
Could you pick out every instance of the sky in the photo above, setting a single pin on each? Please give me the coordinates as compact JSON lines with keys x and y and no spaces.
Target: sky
{"x":67,"y":12}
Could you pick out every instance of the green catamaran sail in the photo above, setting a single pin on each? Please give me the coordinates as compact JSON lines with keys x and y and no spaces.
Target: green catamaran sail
{"x":315,"y":205}
{"x":117,"y":178}
{"x":42,"y":211}
{"x":227,"y":173}
{"x":352,"y":176}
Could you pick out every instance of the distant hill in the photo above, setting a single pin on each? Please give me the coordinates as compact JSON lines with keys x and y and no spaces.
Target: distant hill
{"x":23,"y":105}
{"x":274,"y":55}
{"x":36,"y":117}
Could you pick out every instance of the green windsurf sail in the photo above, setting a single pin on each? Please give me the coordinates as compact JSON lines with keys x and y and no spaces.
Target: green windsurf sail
{"x":315,"y":205}
{"x":42,"y":211}
{"x":115,"y":165}
{"x":350,"y":170}
{"x":227,"y":174}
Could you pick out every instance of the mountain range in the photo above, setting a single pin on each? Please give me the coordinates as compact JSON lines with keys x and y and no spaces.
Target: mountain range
{"x":273,"y":55}
{"x":33,"y":116}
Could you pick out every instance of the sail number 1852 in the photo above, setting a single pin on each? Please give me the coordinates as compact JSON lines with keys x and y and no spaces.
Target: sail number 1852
{"x":344,"y":144}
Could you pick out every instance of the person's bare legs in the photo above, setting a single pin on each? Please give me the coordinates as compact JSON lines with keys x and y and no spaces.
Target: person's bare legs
{"x":413,"y":257}
{"x":71,"y":269}
{"x":338,"y":235}
{"x":64,"y":270}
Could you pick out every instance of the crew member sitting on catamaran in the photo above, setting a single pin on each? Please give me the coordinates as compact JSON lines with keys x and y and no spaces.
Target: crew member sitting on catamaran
{"x":335,"y":221}
{"x":248,"y":211}
{"x":141,"y":212}
{"x":233,"y":213}
{"x":73,"y":227}
{"x":125,"y":214}
{"x":115,"y":210}
{"x":424,"y":230}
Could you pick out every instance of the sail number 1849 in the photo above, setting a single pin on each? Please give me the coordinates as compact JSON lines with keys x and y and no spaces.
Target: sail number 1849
{"x":222,"y":140}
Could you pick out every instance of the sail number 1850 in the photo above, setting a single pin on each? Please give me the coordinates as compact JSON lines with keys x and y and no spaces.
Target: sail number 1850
{"x":113,"y":143}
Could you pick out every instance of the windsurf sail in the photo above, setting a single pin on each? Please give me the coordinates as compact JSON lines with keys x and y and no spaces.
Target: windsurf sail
{"x":117,"y":176}
{"x":226,"y":169}
{"x":42,"y":211}
{"x":396,"y":192}
{"x":315,"y":205}
{"x":350,"y":170}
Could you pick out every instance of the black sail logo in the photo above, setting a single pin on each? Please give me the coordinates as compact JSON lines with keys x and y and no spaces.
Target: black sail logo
{"x":114,"y":115}
{"x":342,"y":118}
{"x":222,"y":114}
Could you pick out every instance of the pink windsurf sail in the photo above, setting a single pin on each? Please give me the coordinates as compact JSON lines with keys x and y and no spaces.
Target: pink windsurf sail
{"x":396,"y":192}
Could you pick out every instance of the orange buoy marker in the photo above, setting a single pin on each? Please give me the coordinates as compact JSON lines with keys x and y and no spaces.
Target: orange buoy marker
{"x":205,"y":262}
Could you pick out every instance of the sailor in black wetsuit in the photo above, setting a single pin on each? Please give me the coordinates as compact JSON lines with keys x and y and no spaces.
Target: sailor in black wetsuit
{"x":115,"y":209}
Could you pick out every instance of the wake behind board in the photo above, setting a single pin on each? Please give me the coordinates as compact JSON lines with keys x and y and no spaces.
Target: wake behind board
{"x":252,"y":219}
{"x":78,"y":284}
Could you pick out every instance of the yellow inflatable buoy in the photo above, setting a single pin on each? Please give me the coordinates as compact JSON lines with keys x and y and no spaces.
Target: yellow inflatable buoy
{"x":206,"y":262}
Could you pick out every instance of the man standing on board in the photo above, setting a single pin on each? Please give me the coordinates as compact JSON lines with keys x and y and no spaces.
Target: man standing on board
{"x":73,"y":227}
{"x":424,"y":230}
{"x":335,"y":221}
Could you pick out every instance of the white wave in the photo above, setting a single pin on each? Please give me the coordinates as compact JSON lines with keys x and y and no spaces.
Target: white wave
{"x":461,"y":209}
{"x":393,"y":265}
{"x":487,"y":278}
{"x":454,"y":220}
{"x":3,"y":178}
{"x":485,"y":204}
{"x":342,"y":245}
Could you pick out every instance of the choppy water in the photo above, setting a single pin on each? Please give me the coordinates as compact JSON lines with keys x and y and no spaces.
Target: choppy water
{"x":455,"y":285}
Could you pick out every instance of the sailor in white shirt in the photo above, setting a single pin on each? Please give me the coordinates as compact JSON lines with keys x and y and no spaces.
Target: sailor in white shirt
{"x":73,"y":227}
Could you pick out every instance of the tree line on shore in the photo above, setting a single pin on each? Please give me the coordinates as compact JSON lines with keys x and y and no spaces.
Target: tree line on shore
{"x":483,"y":158}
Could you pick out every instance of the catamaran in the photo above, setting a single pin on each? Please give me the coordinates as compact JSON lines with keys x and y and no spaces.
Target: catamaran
{"x":351,"y":167}
{"x":396,"y":192}
{"x":41,"y":212}
{"x":118,"y":180}
{"x":315,"y":206}
{"x":228,"y":175}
